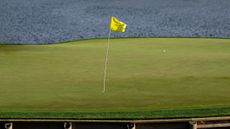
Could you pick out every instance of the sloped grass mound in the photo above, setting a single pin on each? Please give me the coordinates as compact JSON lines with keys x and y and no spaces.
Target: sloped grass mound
{"x":147,"y":78}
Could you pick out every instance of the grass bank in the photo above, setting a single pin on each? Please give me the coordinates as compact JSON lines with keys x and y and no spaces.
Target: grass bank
{"x":147,"y":78}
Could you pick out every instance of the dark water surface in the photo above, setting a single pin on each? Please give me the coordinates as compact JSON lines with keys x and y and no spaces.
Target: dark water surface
{"x":45,"y":21}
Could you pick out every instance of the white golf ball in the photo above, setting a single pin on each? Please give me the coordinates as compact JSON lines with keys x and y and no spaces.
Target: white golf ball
{"x":164,"y":50}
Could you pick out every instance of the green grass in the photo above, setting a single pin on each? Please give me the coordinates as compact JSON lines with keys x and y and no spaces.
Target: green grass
{"x":192,"y":78}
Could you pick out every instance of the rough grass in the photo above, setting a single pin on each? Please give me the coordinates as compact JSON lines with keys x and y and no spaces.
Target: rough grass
{"x":191,"y":78}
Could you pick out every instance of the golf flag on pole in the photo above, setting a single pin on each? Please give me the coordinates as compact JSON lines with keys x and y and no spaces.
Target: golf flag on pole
{"x":117,"y":25}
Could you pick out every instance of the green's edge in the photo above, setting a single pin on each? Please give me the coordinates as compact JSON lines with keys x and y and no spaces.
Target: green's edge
{"x":85,"y":39}
{"x":164,"y":113}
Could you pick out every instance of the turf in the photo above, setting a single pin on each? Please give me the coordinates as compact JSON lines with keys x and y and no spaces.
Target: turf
{"x":147,"y":78}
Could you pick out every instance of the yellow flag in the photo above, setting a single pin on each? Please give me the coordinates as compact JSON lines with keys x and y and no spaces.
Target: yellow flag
{"x":117,"y":25}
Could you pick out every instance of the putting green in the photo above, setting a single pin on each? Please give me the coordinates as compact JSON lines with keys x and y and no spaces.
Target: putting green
{"x":147,"y":78}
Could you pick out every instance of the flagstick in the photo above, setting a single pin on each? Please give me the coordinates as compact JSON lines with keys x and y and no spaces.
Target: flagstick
{"x":106,"y":62}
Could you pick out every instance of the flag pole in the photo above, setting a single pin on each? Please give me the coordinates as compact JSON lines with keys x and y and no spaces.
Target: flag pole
{"x":106,"y":62}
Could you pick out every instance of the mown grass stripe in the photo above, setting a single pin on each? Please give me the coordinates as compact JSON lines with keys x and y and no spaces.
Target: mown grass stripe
{"x":170,"y":113}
